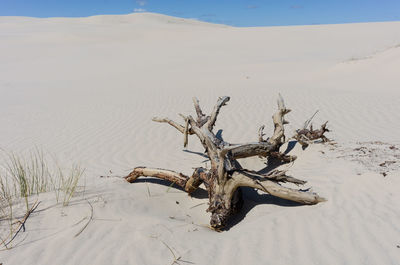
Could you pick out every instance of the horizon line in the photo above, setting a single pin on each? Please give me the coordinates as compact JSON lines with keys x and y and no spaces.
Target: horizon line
{"x":200,"y":20}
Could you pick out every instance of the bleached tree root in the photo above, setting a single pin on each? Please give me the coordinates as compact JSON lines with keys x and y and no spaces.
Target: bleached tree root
{"x":225,"y":177}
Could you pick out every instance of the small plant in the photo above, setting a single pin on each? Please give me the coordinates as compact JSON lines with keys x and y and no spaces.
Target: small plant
{"x":6,"y":208}
{"x":64,"y":185}
{"x":30,"y":175}
{"x":24,"y":176}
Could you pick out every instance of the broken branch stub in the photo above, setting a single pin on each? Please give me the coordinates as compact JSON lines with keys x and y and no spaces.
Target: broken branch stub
{"x":225,"y":177}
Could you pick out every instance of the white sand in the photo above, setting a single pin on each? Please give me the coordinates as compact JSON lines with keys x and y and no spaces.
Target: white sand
{"x":85,"y":89}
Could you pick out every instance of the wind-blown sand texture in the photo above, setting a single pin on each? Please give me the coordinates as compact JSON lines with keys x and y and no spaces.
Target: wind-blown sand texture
{"x":85,"y":89}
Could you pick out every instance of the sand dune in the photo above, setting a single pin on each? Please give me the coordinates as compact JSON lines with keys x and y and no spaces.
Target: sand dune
{"x":86,"y":89}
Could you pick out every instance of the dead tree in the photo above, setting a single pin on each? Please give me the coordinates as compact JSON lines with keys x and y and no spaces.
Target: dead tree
{"x":225,"y":177}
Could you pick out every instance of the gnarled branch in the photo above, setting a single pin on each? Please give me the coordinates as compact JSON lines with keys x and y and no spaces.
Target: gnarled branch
{"x":225,"y":177}
{"x":273,"y":188}
{"x":201,"y":117}
{"x":214,"y":114}
{"x":189,"y":184}
{"x":172,"y":123}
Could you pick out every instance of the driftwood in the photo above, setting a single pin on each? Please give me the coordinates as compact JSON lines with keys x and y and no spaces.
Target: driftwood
{"x":305,"y":136}
{"x":226,"y":176}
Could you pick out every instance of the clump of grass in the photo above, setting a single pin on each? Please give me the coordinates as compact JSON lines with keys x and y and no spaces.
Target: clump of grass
{"x":6,"y":209}
{"x":65,"y":184}
{"x":24,"y":176}
{"x":27,"y":175}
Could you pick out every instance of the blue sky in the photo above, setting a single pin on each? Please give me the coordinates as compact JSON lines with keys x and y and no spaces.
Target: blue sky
{"x":232,"y":12}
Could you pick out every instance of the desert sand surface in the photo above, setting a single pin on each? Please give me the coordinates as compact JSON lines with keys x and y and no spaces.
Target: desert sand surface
{"x":85,"y":90}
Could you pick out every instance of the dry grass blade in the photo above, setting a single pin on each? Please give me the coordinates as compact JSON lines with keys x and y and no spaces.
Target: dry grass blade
{"x":172,"y":252}
{"x":309,"y":120}
{"x":194,"y":206}
{"x":3,"y":242}
{"x":22,"y":222}
{"x":170,"y":186}
{"x":70,"y":183}
{"x":176,"y":259}
{"x":87,"y":223}
{"x":148,"y":189}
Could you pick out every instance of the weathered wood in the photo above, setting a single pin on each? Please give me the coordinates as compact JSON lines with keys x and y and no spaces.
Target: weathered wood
{"x":278,"y":138}
{"x":214,"y":114}
{"x":201,"y":117}
{"x":172,"y":123}
{"x":273,"y":188}
{"x":251,"y":149}
{"x":276,"y":175}
{"x":186,"y":133}
{"x":306,"y":136}
{"x":261,"y":134}
{"x":225,"y":176}
{"x":172,"y":176}
{"x":189,"y":184}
